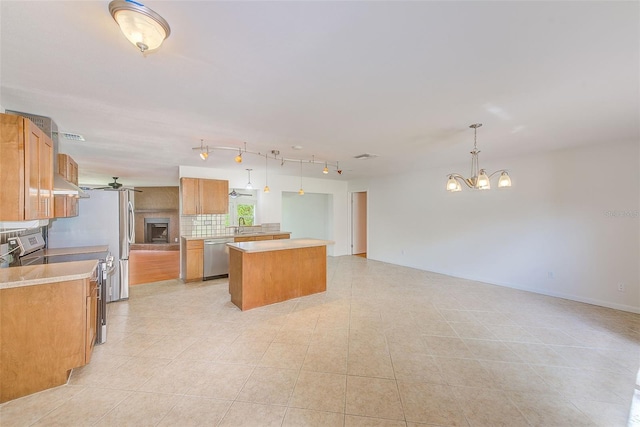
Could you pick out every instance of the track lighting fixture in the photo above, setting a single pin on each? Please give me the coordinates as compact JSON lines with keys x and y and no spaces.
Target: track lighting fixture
{"x":204,"y":150}
{"x":479,"y":179}
{"x":238,"y":158}
{"x":326,"y":169}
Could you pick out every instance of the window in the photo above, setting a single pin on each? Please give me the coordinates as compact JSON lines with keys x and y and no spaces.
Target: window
{"x":246,"y":212}
{"x":242,"y":208}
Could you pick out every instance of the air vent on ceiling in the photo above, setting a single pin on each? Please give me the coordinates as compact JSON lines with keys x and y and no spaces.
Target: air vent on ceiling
{"x":365,"y":156}
{"x":71,"y":136}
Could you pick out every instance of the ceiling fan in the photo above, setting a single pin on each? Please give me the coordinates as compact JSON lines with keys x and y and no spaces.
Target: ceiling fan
{"x":234,"y":194}
{"x":116,"y":186}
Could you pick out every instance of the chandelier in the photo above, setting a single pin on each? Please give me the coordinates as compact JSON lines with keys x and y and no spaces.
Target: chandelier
{"x":479,"y":179}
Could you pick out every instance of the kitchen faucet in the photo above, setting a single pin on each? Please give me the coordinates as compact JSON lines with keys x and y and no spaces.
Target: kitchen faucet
{"x":241,"y":220}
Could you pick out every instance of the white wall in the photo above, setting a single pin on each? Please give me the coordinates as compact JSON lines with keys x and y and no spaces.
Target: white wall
{"x":550,"y":233}
{"x":306,"y":215}
{"x":269,"y":208}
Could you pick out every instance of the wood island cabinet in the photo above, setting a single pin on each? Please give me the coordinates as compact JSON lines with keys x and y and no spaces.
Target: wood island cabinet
{"x":204,"y":196}
{"x":26,"y":170}
{"x":192,"y":260}
{"x":65,"y":206}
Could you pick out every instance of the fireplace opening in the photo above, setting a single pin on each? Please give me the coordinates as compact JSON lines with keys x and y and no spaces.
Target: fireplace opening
{"x":156,"y":230}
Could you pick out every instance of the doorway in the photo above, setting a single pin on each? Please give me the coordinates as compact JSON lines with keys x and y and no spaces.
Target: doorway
{"x":359,"y":223}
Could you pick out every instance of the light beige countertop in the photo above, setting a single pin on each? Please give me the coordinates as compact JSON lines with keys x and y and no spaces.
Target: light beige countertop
{"x":29,"y":275}
{"x":75,"y":251}
{"x":232,"y":235}
{"x":278,"y":245}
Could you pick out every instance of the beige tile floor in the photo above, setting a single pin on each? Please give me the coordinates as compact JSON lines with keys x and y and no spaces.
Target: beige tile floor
{"x":384,"y":346}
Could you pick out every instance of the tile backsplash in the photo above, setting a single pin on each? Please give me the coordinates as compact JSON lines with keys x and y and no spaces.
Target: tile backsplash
{"x":204,"y":225}
{"x":215,"y":225}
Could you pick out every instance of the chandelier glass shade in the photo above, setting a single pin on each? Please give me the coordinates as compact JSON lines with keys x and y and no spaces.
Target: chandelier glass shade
{"x":479,"y":179}
{"x":143,"y":27}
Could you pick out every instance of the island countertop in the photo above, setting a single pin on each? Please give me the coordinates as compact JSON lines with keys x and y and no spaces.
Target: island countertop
{"x":278,"y":245}
{"x":29,"y":275}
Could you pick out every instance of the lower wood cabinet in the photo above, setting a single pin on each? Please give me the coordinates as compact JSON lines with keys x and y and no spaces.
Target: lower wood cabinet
{"x":192,"y":260}
{"x":45,"y":331}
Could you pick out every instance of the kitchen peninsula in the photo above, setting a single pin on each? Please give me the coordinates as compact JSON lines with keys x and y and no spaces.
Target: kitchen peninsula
{"x":270,"y":271}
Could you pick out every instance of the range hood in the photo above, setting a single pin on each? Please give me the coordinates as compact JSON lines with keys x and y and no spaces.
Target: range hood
{"x":64,"y":187}
{"x":60,"y":185}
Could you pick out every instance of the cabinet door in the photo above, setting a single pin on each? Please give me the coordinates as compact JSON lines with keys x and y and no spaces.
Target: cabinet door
{"x":190,"y":196}
{"x":33,"y":135}
{"x":214,"y":196}
{"x":45,"y":177}
{"x":195,"y":264}
{"x":244,"y":239}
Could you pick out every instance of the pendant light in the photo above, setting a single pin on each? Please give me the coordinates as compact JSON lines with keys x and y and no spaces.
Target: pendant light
{"x":479,"y":179}
{"x":249,"y":186}
{"x":143,"y":27}
{"x":266,"y":164}
{"x":326,"y":169}
{"x":301,"y":191}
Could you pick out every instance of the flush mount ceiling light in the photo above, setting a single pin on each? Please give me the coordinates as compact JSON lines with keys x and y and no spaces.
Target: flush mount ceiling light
{"x":479,"y":179}
{"x":143,"y":27}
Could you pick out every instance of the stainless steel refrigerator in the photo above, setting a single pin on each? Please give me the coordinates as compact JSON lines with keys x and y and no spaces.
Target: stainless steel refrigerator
{"x":106,"y":218}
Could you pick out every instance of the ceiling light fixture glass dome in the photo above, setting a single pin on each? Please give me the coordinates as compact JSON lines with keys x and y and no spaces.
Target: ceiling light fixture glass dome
{"x":143,"y":27}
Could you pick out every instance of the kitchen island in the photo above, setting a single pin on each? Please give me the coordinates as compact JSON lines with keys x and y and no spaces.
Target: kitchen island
{"x":270,"y":271}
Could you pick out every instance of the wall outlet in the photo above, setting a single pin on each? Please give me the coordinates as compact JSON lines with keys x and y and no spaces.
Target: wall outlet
{"x":620,"y":287}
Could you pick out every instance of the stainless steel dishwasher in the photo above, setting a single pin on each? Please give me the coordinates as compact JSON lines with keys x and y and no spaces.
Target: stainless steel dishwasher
{"x":216,"y":258}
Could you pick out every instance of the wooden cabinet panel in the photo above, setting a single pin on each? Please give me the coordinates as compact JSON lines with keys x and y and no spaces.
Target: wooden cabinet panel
{"x":43,"y":333}
{"x":214,"y":196}
{"x":244,"y":239}
{"x":26,"y":170}
{"x":190,"y":189}
{"x":192,"y":260}
{"x":68,"y":168}
{"x":64,"y":206}
{"x":45,"y":176}
{"x":204,"y":196}
{"x":281,"y":236}
{"x":258,"y":238}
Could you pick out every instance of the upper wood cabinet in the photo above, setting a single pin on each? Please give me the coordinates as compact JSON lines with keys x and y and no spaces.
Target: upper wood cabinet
{"x":68,"y":168}
{"x":63,"y":205}
{"x":26,"y":170}
{"x":204,"y":196}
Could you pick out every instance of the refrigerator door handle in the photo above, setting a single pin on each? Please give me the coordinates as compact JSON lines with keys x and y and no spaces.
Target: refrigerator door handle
{"x":131,"y":230}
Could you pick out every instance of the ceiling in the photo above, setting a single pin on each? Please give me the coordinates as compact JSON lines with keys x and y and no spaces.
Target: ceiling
{"x":402,"y":80}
